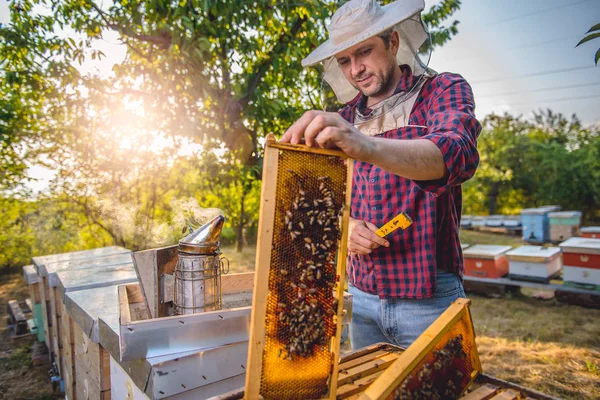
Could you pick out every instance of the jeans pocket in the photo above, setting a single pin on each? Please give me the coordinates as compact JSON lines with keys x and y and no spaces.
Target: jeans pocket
{"x":447,"y":285}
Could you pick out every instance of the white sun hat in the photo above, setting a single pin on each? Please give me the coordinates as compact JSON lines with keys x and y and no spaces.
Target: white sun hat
{"x":359,"y":20}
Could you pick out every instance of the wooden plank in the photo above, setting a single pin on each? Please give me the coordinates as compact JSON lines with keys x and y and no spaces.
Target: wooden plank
{"x":86,"y":389}
{"x":44,"y":291}
{"x":261,"y":277}
{"x":68,"y":353}
{"x":361,"y":360}
{"x":509,"y":394}
{"x":341,"y":273}
{"x":132,"y":303}
{"x":55,"y":305}
{"x":365,"y":369}
{"x":124,"y":312}
{"x":34,"y":293}
{"x":305,"y":149}
{"x":236,"y":283}
{"x":16,"y":314}
{"x":383,"y":387}
{"x":91,"y":359}
{"x":357,"y":386}
{"x":483,"y":392}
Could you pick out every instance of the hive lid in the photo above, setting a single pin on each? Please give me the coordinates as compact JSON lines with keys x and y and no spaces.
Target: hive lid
{"x":534,"y":211}
{"x":533,"y":254}
{"x":581,"y":245}
{"x":204,"y":240}
{"x":590,"y":229}
{"x":565,"y":214}
{"x":487,"y":251}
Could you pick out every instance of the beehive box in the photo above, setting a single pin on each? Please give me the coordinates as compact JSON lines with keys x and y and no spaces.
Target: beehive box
{"x":297,"y":302}
{"x":48,"y":266}
{"x":581,"y":261}
{"x":536,"y":223}
{"x":534,"y":262}
{"x":486,"y":261}
{"x":590,"y":232}
{"x":87,"y":274}
{"x":31,"y":279}
{"x":564,"y":224}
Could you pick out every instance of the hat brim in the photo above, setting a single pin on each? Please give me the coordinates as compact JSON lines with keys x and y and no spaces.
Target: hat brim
{"x":394,"y":13}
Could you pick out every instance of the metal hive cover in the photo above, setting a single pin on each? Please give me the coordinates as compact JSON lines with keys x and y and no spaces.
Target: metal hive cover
{"x":581,"y":245}
{"x":485,"y":251}
{"x":533,"y":253}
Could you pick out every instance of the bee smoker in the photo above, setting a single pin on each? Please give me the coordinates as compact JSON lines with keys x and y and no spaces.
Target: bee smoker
{"x":198,"y":270}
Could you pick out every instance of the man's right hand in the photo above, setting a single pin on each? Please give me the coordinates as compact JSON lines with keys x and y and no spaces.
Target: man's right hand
{"x":362,"y":239}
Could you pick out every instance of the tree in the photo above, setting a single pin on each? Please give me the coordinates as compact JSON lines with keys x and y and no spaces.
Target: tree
{"x":549,"y":160}
{"x":593,"y":33}
{"x":196,"y":71}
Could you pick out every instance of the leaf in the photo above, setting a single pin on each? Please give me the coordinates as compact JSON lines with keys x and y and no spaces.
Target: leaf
{"x":594,"y":28}
{"x":588,"y":38}
{"x":597,"y":58}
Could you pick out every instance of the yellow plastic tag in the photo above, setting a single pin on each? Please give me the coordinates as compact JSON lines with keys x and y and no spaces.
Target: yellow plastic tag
{"x":400,"y":221}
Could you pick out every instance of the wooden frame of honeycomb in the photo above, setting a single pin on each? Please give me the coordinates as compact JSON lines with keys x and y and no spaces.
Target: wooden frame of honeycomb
{"x":294,"y":345}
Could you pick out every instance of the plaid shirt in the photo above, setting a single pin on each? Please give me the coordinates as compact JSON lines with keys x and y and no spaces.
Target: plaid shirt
{"x":407,"y":269}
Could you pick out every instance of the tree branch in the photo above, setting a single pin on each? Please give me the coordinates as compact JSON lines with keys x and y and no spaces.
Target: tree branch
{"x":263,"y":66}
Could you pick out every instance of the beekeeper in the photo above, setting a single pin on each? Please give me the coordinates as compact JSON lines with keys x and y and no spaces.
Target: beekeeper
{"x":413,"y":134}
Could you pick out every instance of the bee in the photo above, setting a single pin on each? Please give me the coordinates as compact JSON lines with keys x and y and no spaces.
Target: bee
{"x":283,"y":272}
{"x":282,"y":305}
{"x":301,"y":225}
{"x":307,"y":240}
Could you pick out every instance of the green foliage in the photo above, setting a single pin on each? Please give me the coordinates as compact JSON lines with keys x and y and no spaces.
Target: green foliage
{"x":210,"y":76}
{"x":550,"y":160}
{"x":593,"y":33}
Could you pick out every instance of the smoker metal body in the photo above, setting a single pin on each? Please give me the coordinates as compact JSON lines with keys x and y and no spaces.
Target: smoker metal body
{"x":197,"y":284}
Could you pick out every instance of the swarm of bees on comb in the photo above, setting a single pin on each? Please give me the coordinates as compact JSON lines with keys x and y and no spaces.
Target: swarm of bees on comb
{"x":438,"y":379}
{"x":312,"y":231}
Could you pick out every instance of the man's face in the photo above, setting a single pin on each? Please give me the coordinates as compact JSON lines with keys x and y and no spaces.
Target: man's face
{"x":369,"y":66}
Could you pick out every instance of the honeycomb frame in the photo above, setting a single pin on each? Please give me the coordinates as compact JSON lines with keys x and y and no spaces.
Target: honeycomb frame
{"x":300,"y":270}
{"x":446,"y":346}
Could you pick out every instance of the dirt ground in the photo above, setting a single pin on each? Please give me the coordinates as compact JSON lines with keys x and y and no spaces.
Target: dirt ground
{"x":540,"y":344}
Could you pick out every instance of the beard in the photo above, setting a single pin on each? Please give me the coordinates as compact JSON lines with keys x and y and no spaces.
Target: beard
{"x":382,"y":81}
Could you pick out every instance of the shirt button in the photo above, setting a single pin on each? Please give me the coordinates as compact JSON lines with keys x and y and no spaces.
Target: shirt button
{"x":372,"y":180}
{"x":410,"y":120}
{"x":374,"y":208}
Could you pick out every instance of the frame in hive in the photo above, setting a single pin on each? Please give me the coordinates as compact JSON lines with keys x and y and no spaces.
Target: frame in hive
{"x":300,"y":269}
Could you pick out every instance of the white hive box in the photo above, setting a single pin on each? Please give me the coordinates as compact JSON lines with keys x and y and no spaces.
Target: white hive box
{"x":581,"y":260}
{"x":534,"y":262}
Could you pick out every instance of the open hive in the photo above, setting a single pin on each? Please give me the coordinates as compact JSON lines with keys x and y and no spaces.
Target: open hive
{"x":440,"y":364}
{"x":300,"y":269}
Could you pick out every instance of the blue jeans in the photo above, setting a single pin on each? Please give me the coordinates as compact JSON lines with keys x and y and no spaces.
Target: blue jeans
{"x":396,"y":320}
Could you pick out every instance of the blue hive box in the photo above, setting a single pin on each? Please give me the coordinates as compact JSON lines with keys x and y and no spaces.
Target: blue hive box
{"x":536,"y":224}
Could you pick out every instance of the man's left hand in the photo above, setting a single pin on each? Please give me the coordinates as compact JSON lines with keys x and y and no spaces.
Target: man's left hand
{"x":329,"y":131}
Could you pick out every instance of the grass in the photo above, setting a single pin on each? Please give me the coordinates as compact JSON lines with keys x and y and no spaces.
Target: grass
{"x":18,"y":379}
{"x":543,"y":345}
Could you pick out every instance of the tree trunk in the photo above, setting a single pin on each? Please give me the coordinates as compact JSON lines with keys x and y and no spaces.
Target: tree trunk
{"x":239,"y":232}
{"x":493,"y":197}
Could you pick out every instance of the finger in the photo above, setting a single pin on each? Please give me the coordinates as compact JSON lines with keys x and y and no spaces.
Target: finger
{"x":296,"y":131}
{"x":327,"y":138}
{"x":318,"y":124}
{"x":358,"y":249}
{"x":376,"y":237}
{"x":368,"y":232}
{"x":363,"y":241}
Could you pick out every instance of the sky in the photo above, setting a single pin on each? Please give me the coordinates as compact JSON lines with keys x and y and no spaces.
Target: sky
{"x":518,"y":55}
{"x":512,"y":51}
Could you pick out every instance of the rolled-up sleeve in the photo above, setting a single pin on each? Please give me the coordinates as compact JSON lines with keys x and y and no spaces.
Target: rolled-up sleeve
{"x":453,"y":128}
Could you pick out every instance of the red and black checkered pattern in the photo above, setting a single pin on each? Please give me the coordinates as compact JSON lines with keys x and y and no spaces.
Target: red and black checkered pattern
{"x":444,"y":113}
